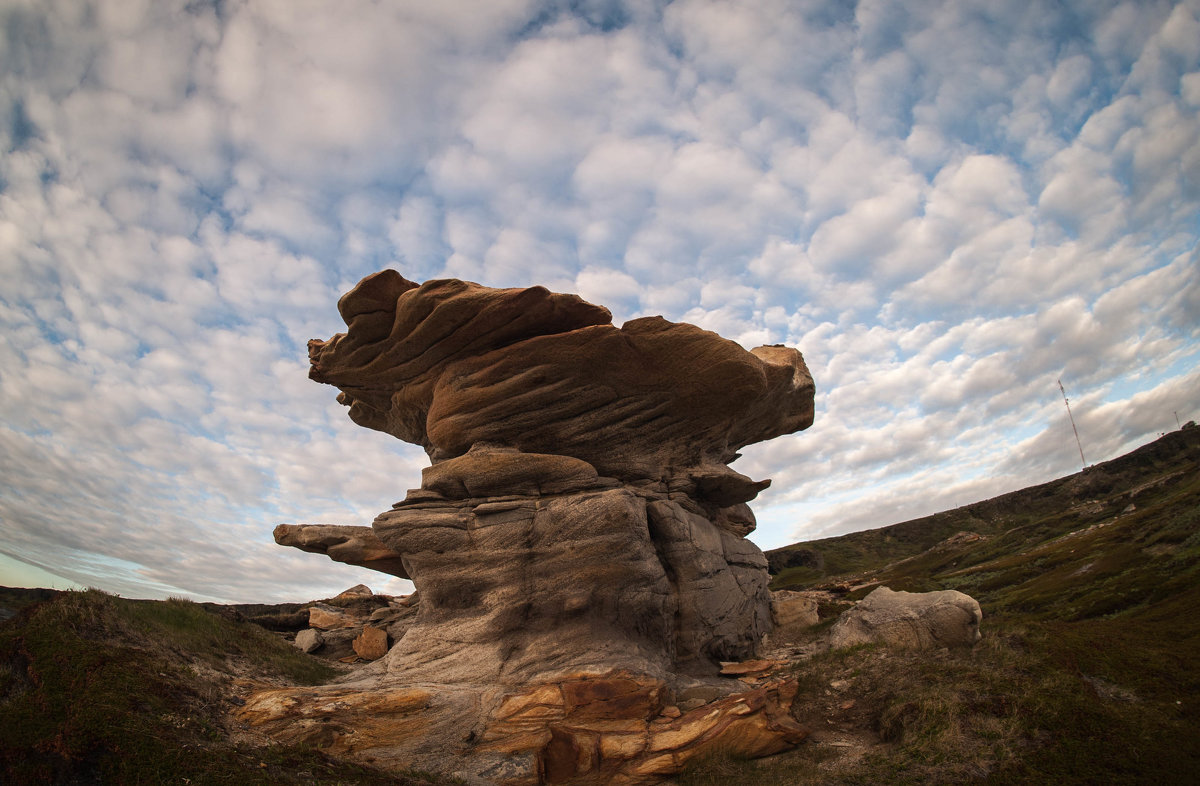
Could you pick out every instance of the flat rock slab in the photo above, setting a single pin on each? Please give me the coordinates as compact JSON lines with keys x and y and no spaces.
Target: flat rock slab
{"x":747,"y":667}
{"x":325,"y":617}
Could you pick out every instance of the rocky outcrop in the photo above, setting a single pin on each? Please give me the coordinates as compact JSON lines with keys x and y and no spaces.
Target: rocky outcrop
{"x":579,"y":520}
{"x":356,"y":546}
{"x":355,"y":625}
{"x":792,"y":614}
{"x":450,"y":364}
{"x":919,"y":620}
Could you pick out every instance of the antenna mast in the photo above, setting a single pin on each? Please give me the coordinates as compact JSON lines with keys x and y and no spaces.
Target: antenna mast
{"x":1072,"y":417}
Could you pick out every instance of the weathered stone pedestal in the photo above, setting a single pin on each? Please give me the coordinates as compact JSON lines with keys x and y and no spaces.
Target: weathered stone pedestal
{"x":578,"y":542}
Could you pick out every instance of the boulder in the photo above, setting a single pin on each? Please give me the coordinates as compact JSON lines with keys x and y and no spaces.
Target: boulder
{"x":792,"y":613}
{"x":309,"y":640}
{"x":920,"y":620}
{"x":325,"y":617}
{"x":371,"y":644}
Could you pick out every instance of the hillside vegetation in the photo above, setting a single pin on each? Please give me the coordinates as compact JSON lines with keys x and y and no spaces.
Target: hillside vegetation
{"x":1089,"y":670}
{"x":96,"y":689}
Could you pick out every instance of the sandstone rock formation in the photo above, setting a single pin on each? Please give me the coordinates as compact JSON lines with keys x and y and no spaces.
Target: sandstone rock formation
{"x":450,"y":364}
{"x":792,"y":614}
{"x":579,"y":525}
{"x":352,"y":545}
{"x":920,"y":620}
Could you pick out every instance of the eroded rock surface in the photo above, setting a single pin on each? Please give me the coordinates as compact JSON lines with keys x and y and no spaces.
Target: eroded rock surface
{"x":792,"y":614}
{"x":450,"y":364}
{"x":579,"y":520}
{"x":357,"y":546}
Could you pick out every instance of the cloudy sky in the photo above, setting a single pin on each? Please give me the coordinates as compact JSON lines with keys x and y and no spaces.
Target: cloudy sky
{"x":947,"y":206}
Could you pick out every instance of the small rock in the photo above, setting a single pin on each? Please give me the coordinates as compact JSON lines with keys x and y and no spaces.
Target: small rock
{"x":371,"y":644}
{"x":309,"y":640}
{"x":737,"y":669}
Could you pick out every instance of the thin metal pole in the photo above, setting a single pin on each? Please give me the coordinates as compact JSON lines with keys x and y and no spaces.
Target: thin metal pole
{"x":1072,"y":417}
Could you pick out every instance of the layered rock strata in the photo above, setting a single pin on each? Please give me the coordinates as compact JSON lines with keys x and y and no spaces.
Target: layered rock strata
{"x":578,"y":521}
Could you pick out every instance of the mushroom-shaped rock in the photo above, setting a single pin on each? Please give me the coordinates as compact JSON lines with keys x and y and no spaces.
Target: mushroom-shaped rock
{"x":579,"y":519}
{"x":579,"y":502}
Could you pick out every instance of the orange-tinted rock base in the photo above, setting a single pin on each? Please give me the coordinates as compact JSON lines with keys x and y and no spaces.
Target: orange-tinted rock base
{"x":614,"y":728}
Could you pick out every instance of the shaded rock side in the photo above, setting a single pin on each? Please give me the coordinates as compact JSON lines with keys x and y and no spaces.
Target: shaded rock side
{"x":920,"y":620}
{"x":449,"y":364}
{"x":533,"y":584}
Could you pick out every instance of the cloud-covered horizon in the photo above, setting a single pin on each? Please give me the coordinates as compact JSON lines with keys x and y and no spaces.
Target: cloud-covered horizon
{"x":946,"y":206}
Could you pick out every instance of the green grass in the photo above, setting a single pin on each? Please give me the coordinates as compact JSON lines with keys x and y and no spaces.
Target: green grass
{"x":97,"y":689}
{"x":1163,"y":475}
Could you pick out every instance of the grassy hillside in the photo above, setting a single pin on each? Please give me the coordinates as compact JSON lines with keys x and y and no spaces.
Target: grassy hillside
{"x":1089,"y":670}
{"x":98,"y":689}
{"x":1024,"y":518}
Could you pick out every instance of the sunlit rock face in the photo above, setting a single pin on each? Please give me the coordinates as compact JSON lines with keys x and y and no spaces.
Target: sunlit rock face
{"x":579,"y":519}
